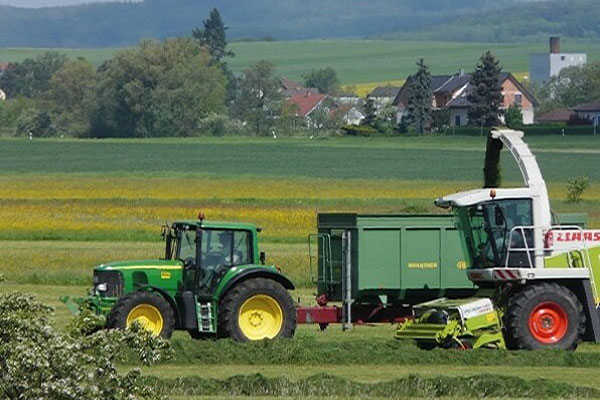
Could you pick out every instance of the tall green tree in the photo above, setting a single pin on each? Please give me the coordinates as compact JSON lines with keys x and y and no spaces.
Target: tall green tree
{"x":70,"y":97}
{"x":258,"y":100}
{"x":486,"y":94}
{"x":213,"y":36}
{"x":157,"y":89}
{"x":324,"y":79}
{"x":31,"y":77}
{"x":370,"y":112}
{"x":420,"y":98}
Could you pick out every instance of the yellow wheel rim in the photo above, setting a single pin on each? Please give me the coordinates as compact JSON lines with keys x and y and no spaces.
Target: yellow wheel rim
{"x":148,"y":316}
{"x":260,"y":317}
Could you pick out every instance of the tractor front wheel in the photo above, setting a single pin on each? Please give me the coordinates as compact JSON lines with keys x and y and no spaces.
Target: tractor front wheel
{"x":148,"y":309}
{"x":257,"y":309}
{"x":543,"y":316}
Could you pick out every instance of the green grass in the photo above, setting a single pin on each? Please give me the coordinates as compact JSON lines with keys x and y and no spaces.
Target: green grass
{"x":51,"y":176}
{"x":439,"y":159}
{"x":358,"y":61}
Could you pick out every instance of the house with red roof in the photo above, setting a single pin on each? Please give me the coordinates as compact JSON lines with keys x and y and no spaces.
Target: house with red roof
{"x":307,"y":103}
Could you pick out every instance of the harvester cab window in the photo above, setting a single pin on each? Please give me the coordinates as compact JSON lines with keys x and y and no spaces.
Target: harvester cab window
{"x":491,"y":224}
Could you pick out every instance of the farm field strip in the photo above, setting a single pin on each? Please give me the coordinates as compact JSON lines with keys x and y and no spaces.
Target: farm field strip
{"x":356,"y":61}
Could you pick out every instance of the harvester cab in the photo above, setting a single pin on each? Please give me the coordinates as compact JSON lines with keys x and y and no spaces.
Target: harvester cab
{"x":212,"y":281}
{"x":540,"y":276}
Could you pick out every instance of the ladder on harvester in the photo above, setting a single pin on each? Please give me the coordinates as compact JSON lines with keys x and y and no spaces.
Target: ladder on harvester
{"x":206,"y":317}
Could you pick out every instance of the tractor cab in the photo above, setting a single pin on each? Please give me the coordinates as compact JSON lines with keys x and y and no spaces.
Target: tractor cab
{"x":209,"y":250}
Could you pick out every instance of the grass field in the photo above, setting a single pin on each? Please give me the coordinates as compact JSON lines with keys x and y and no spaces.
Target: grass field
{"x":66,"y":205}
{"x":359,"y":61}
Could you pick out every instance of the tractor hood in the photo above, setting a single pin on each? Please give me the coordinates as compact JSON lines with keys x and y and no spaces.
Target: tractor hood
{"x":140,"y":265}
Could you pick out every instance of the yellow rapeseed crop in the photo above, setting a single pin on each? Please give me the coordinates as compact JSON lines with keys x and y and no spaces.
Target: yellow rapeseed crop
{"x":127,"y":208}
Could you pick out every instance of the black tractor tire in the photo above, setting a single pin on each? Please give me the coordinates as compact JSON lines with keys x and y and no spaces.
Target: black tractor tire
{"x":544,"y":316}
{"x":117,"y":318}
{"x":234,"y":299}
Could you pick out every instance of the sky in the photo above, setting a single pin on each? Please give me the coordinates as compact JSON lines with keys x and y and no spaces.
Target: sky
{"x":49,"y":3}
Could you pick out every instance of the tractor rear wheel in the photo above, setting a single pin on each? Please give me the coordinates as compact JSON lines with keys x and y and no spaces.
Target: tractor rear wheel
{"x":544,"y":316}
{"x":257,"y":309}
{"x":149,"y":309}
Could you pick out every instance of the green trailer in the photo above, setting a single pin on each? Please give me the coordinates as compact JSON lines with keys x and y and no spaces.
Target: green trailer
{"x":378,"y":266}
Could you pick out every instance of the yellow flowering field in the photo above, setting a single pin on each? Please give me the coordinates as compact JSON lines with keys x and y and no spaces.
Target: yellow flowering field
{"x":128,"y":208}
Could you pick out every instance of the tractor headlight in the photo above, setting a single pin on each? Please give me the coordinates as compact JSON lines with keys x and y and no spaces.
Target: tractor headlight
{"x":102,"y":287}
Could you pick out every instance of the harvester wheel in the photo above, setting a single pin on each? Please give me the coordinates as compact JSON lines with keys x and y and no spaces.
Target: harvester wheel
{"x":544,"y":316}
{"x":149,"y":309}
{"x":257,"y":309}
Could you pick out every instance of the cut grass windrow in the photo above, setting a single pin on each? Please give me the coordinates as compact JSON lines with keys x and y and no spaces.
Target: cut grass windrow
{"x":310,"y":351}
{"x":476,"y":386}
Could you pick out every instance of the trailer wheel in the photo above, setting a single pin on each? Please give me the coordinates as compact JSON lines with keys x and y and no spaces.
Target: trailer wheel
{"x":542,"y":316}
{"x":257,"y":309}
{"x":149,"y":309}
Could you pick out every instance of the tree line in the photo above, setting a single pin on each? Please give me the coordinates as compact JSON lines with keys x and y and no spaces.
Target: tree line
{"x":177,"y":87}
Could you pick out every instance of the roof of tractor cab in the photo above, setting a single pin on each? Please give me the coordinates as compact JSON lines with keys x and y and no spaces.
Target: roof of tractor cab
{"x":218,"y":225}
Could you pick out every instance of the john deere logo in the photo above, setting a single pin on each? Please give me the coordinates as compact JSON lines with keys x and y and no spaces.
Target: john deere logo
{"x":461,"y":265}
{"x":165,"y":275}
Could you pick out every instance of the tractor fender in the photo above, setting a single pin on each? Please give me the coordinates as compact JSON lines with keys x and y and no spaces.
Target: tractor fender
{"x":169,"y":299}
{"x":251,"y":273}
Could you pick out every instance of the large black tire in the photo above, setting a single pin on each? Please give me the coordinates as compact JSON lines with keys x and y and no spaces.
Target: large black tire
{"x":544,"y":316}
{"x":231,"y":307}
{"x":117,"y":318}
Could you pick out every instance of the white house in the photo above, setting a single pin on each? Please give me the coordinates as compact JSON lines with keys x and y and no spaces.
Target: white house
{"x":543,"y":66}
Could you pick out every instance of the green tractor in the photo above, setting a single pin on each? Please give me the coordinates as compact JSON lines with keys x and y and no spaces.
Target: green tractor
{"x":212,"y":282}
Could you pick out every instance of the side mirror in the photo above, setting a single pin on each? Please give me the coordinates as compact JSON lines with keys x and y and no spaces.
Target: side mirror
{"x":262,"y":257}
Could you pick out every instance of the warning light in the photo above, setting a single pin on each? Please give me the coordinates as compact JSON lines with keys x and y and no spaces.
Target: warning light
{"x":201,"y":216}
{"x":493,"y":193}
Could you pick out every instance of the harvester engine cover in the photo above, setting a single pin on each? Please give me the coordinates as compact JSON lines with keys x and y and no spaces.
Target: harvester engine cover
{"x":454,"y":323}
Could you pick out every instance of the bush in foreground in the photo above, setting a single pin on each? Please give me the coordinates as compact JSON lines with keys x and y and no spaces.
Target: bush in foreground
{"x":39,"y":362}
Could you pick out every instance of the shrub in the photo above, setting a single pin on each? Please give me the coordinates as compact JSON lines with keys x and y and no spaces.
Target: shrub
{"x":37,"y":123}
{"x":39,"y":362}
{"x":219,"y":125}
{"x":575,"y":188}
{"x":359,"y":130}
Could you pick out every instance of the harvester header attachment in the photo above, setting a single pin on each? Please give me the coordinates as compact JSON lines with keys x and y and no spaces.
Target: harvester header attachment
{"x":462,"y":324}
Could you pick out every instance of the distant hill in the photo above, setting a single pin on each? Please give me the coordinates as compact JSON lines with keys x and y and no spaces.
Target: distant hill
{"x":122,"y":24}
{"x":526,"y":22}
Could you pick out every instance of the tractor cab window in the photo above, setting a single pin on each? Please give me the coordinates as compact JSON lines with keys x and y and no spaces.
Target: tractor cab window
{"x":489,"y":227}
{"x":220,"y":250}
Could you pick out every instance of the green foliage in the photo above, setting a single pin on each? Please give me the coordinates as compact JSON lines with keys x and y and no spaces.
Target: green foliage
{"x":514,"y":116}
{"x":370,"y":112}
{"x":575,"y":188}
{"x":70,"y":97}
{"x":486,"y":96}
{"x":440,"y":120}
{"x":38,"y":361}
{"x":220,"y":125}
{"x":37,"y":123}
{"x":213,"y":36}
{"x":10,"y":112}
{"x":324,"y":79}
{"x":359,"y":130}
{"x":157,"y":89}
{"x":258,"y":99}
{"x":573,"y":86}
{"x":419,"y":98}
{"x":31,"y":77}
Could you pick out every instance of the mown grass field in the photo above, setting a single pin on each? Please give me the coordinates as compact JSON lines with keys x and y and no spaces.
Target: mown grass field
{"x":66,"y":205}
{"x":358,"y":61}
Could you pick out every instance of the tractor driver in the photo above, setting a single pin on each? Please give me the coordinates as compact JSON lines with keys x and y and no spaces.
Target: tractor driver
{"x":220,"y":257}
